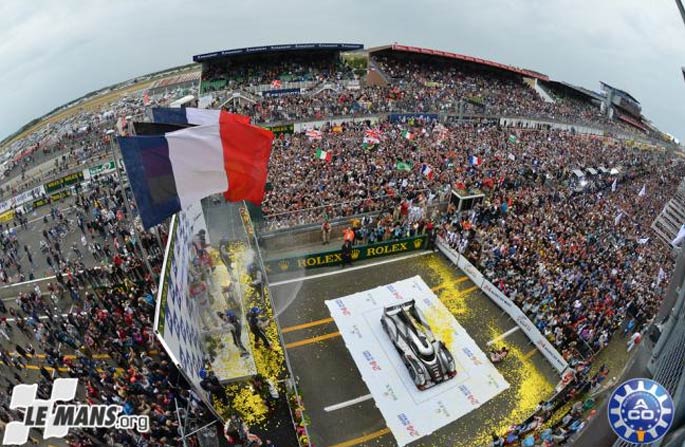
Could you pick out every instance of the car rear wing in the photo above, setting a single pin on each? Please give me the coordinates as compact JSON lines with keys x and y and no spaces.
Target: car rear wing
{"x":408,"y":306}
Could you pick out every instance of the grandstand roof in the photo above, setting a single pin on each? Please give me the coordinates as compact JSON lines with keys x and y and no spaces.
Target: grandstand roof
{"x":578,"y":89}
{"x":462,"y":57}
{"x":277,"y":49}
{"x":622,"y":92}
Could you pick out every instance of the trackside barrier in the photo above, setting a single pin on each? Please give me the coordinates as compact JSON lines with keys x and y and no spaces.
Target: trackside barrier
{"x":546,"y":348}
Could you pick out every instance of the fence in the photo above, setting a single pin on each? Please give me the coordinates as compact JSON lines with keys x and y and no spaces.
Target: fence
{"x":527,"y":327}
{"x":290,"y":381}
{"x":309,"y":217}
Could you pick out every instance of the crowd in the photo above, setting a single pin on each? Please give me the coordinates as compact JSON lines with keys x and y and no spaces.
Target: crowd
{"x":358,"y":179}
{"x":361,"y":178}
{"x":577,"y":262}
{"x":74,"y":141}
{"x":106,"y":338}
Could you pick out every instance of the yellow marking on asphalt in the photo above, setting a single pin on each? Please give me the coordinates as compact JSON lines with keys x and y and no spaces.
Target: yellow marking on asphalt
{"x":297,"y":327}
{"x":456,"y":281}
{"x":461,"y":293}
{"x":530,"y":353}
{"x":362,"y":439}
{"x":308,"y":341}
{"x":48,"y":368}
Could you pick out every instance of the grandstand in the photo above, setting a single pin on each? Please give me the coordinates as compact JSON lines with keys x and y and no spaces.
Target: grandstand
{"x":273,"y":67}
{"x":180,"y":81}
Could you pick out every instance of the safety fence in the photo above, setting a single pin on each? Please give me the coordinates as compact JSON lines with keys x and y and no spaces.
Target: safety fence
{"x":507,"y":305}
{"x":51,"y":191}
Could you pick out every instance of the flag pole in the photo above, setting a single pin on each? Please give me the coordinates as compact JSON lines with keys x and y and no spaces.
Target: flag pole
{"x":138,"y":243}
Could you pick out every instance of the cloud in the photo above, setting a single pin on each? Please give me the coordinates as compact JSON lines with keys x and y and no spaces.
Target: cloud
{"x":53,"y":52}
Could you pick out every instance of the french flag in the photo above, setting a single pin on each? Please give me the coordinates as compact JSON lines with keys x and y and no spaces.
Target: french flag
{"x":427,"y":171}
{"x":185,"y":115}
{"x":168,"y":172}
{"x":474,"y":161}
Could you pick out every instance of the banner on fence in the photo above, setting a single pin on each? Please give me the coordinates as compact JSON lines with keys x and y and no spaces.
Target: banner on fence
{"x":331,"y":258}
{"x":53,"y":198}
{"x":281,"y":92}
{"x":301,"y":127}
{"x":22,"y":198}
{"x":67,"y":180}
{"x":527,"y":327}
{"x":284,"y":128}
{"x":7,"y":216}
{"x":470,"y":270}
{"x":104,"y":168}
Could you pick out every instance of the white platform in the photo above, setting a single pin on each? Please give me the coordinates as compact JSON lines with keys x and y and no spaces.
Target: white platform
{"x":409,"y":413}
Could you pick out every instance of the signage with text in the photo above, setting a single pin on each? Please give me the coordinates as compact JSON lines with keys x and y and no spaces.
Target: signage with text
{"x":60,"y":183}
{"x":284,"y":128}
{"x":331,"y":258}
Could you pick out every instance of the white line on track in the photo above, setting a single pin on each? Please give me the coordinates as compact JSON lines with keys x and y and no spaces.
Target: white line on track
{"x":503,"y":336}
{"x":45,"y":278}
{"x":45,"y":317}
{"x":351,"y":269}
{"x":348,"y":403}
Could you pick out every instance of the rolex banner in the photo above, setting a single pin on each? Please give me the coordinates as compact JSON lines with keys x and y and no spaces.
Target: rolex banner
{"x":331,"y":258}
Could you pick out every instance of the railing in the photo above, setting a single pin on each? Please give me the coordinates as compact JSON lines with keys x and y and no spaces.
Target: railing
{"x":313,"y":216}
{"x":253,"y":243}
{"x":507,"y":305}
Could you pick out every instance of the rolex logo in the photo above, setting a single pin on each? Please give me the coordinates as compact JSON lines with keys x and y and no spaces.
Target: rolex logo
{"x":417,"y":243}
{"x":284,"y":265}
{"x":355,"y":254}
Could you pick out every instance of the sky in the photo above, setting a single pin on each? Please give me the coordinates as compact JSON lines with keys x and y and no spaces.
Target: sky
{"x":52,"y":52}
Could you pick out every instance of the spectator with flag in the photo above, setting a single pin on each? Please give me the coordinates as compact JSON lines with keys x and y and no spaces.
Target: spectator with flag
{"x":324,"y":155}
{"x":314,"y":134}
{"x":475,"y":161}
{"x":427,"y":171}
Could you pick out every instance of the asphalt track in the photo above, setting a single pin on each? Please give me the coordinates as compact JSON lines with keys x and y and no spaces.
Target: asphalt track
{"x":328,"y":377}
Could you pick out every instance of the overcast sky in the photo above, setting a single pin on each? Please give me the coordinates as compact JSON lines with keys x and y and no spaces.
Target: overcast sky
{"x":54,"y":51}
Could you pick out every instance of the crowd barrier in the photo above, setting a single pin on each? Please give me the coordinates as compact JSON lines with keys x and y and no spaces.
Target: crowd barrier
{"x":334,"y":257}
{"x":548,"y":351}
{"x":38,"y":196}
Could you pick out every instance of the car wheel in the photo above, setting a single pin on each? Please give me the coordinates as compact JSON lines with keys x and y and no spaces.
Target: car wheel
{"x":419,"y":379}
{"x":385,"y":326}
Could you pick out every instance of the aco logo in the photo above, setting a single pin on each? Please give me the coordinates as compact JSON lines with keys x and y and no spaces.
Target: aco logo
{"x":640,"y":411}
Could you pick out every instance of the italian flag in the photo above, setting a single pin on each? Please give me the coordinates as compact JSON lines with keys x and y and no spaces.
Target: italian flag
{"x":512,"y":139}
{"x":323,"y":155}
{"x":407,"y":135}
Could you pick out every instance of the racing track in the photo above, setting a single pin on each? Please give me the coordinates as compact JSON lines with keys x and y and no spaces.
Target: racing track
{"x":329,"y":378}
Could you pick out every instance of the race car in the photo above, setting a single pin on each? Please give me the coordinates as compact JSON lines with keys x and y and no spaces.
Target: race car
{"x":428,"y":360}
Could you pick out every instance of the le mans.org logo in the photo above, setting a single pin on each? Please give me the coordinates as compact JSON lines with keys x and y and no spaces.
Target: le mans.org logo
{"x":640,"y":411}
{"x":56,"y":417}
